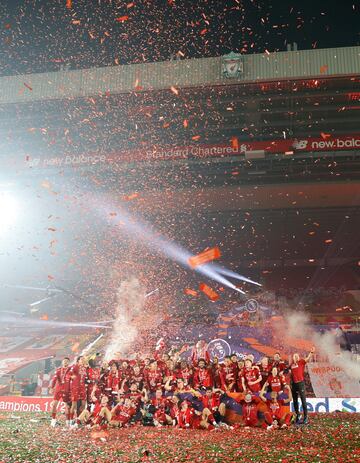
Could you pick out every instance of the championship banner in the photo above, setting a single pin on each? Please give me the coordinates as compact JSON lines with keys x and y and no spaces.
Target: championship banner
{"x":331,"y":381}
{"x":323,"y":143}
{"x":16,"y":404}
{"x":28,"y":404}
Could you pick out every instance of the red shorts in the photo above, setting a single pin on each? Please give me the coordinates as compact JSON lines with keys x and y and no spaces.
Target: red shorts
{"x":251,"y":422}
{"x":78,"y":394}
{"x":159,"y":416}
{"x":195,"y":422}
{"x":61,"y":395}
{"x":121,"y":419}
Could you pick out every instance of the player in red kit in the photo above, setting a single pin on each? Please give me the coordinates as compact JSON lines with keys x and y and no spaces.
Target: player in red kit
{"x":99,"y":416}
{"x":229,"y":375}
{"x":200,"y":352}
{"x":213,"y":410}
{"x":265,"y":369}
{"x":122,"y":413}
{"x":60,"y":383}
{"x":251,"y":377}
{"x":160,"y":403}
{"x":297,"y":371}
{"x":275,"y":382}
{"x":78,"y":387}
{"x":185,"y":372}
{"x":215,"y":371}
{"x":276,"y":416}
{"x":278,"y":362}
{"x":137,"y":376}
{"x":93,"y":379}
{"x":250,"y":409}
{"x":185,"y":416}
{"x":113,"y":383}
{"x":202,"y":376}
{"x":153,"y":377}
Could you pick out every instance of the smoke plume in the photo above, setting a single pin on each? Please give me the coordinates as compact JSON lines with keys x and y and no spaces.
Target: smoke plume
{"x":130,"y":302}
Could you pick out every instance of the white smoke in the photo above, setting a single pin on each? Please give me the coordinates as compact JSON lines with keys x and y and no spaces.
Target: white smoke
{"x":130,"y":302}
{"x":297,"y":325}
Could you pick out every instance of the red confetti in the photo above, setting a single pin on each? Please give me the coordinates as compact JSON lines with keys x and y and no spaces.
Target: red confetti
{"x":205,"y":256}
{"x":324,"y":136}
{"x":324,"y":69}
{"x":131,"y":197}
{"x":210,"y":293}
{"x":235,"y":143}
{"x":190,"y":292}
{"x":174,"y":90}
{"x":122,"y":19}
{"x":28,"y":86}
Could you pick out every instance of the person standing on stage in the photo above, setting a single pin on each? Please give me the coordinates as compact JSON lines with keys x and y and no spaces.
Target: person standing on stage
{"x":60,"y":386}
{"x":297,"y":371}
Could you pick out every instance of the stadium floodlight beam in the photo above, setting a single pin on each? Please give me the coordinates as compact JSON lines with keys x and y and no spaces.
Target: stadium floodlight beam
{"x":9,"y":208}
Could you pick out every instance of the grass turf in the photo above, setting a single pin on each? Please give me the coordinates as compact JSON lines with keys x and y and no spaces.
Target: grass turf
{"x":329,"y":438}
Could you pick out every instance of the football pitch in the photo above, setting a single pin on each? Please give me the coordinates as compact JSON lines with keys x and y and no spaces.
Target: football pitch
{"x":328,"y":438}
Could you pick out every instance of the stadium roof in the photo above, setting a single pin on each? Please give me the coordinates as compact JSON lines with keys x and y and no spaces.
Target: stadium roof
{"x":180,"y":74}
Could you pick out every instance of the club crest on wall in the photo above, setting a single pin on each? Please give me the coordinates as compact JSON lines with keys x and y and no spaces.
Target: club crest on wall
{"x":232,"y":65}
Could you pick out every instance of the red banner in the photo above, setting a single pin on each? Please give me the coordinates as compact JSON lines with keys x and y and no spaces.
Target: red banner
{"x":27,"y":404}
{"x":43,"y":404}
{"x":325,"y":142}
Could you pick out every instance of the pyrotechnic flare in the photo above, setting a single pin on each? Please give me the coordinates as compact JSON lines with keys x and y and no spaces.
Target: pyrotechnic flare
{"x":130,"y":302}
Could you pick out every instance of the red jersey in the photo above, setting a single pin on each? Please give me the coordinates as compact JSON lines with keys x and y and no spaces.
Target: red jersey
{"x":78,"y":376}
{"x":98,"y":407}
{"x":279,"y":364}
{"x":93,"y":379}
{"x":138,"y":378}
{"x":123,"y":413}
{"x":275,"y":408}
{"x":228,"y":376}
{"x":103,"y":378}
{"x":185,"y":418}
{"x":265,"y":372}
{"x":135,"y":397}
{"x":298,"y":370}
{"x":61,"y":379}
{"x":250,"y":411}
{"x":160,"y":404}
{"x":186,"y":374}
{"x":276,"y":383}
{"x":216,"y":370}
{"x":202,"y":378}
{"x":113,"y":382}
{"x":160,"y":363}
{"x":211,"y":402}
{"x":78,"y":383}
{"x":251,"y":375}
{"x":153,"y":379}
{"x":93,"y":375}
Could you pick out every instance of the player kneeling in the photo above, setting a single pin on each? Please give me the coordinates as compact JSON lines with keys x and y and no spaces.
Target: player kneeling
{"x":99,"y":416}
{"x":277,"y":415}
{"x":122,"y":413}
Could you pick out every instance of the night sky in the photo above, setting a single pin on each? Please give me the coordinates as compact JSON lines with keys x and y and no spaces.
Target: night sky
{"x":40,"y":35}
